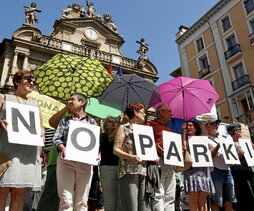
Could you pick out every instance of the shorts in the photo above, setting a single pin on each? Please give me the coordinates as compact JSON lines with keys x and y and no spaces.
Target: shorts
{"x":224,"y":187}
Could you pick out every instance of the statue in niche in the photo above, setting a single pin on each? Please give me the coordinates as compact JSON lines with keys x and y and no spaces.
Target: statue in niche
{"x":90,"y":11}
{"x":107,"y":20}
{"x":30,"y":13}
{"x":143,"y":49}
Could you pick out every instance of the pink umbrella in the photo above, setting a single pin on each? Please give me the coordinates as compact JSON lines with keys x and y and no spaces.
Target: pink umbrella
{"x":188,"y":97}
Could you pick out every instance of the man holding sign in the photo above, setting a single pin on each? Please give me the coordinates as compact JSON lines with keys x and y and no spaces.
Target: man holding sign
{"x":221,"y":175}
{"x":73,"y":178}
{"x":243,"y":174}
{"x":165,"y":195}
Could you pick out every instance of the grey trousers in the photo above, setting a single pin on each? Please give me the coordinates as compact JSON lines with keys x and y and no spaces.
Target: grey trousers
{"x":132,"y":188}
{"x":111,"y":188}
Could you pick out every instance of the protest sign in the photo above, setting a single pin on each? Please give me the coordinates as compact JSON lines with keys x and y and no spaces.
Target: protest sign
{"x":172,"y":145}
{"x":144,"y":142}
{"x":23,"y":124}
{"x":48,"y":106}
{"x":83,"y":142}
{"x":247,"y":147}
{"x":199,"y":150}
{"x":228,"y":150}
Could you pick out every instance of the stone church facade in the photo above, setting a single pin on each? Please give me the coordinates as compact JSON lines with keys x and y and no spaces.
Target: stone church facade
{"x":78,"y":32}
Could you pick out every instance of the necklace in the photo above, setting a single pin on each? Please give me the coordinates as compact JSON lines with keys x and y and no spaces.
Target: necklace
{"x":23,"y":102}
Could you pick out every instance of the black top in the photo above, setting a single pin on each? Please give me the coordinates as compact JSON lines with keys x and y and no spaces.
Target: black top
{"x":106,"y":149}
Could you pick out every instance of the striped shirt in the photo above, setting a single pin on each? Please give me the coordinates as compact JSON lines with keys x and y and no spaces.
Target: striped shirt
{"x":62,"y":130}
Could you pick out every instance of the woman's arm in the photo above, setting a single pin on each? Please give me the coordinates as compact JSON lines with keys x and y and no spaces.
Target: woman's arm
{"x":55,"y":119}
{"x":112,"y":135}
{"x":3,"y":122}
{"x":184,"y":137}
{"x":120,"y":136}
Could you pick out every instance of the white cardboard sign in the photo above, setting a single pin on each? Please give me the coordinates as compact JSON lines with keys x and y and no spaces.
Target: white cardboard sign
{"x":199,"y":150}
{"x":144,"y":142}
{"x":83,"y":142}
{"x":228,"y":150}
{"x":246,"y":145}
{"x":172,"y":145}
{"x":23,"y":124}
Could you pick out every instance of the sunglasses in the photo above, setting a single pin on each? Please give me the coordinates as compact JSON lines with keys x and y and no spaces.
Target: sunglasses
{"x":111,"y":121}
{"x":31,"y":81}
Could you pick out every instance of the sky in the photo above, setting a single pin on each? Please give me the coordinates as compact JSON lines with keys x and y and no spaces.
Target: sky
{"x":155,"y":20}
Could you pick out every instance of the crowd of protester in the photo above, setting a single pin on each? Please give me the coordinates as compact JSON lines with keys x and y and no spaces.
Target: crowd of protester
{"x":43,"y":179}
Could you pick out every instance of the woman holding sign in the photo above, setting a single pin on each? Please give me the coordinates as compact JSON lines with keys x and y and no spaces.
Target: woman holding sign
{"x":132,"y":168}
{"x":109,"y":165}
{"x":25,"y":170}
{"x":197,"y":181}
{"x":243,"y":174}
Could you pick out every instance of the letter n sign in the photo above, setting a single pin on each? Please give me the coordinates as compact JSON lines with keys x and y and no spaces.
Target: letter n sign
{"x":144,"y":142}
{"x":23,"y":124}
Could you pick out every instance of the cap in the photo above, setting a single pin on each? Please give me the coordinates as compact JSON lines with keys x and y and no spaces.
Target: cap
{"x":213,"y":122}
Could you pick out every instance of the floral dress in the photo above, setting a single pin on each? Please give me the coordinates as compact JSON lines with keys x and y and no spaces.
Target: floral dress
{"x":126,"y":166}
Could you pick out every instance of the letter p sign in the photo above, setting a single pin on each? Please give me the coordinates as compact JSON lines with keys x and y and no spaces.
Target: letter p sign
{"x":144,"y":142}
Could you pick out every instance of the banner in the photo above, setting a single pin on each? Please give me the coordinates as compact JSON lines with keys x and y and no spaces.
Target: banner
{"x":48,"y":106}
{"x":144,"y":142}
{"x":23,"y":124}
{"x":172,"y":145}
{"x":83,"y":142}
{"x":199,"y":150}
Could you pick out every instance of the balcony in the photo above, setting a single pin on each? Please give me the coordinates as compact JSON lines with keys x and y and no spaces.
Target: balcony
{"x":205,"y":71}
{"x":232,"y":51}
{"x":247,"y":118}
{"x":249,"y":6}
{"x":85,"y":51}
{"x":251,"y":37}
{"x":240,"y":82}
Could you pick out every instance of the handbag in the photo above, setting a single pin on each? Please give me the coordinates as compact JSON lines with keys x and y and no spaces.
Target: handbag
{"x":4,"y":164}
{"x":187,"y":163}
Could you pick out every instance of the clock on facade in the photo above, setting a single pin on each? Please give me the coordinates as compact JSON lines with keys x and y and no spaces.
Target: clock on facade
{"x":91,"y":34}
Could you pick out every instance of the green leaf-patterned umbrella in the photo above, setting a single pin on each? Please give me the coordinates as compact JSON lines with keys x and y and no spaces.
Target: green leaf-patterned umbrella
{"x":66,"y":74}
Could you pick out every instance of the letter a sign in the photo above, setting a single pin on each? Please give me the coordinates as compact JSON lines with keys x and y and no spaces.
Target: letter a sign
{"x":23,"y":124}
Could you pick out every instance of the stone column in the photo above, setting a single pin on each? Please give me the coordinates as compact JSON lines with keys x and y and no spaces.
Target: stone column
{"x":25,"y":63}
{"x":14,"y":62}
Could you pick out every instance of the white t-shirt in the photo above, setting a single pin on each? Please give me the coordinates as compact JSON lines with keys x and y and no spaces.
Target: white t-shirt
{"x":218,"y":160}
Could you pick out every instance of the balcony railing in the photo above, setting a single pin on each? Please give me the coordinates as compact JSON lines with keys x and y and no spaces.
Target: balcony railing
{"x":249,"y":6}
{"x":246,"y":118}
{"x":232,"y":51}
{"x":240,"y":82}
{"x":251,"y":36}
{"x":85,"y":51}
{"x":205,"y":71}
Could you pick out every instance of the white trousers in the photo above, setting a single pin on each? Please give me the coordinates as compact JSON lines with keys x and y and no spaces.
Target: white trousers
{"x":73,"y":184}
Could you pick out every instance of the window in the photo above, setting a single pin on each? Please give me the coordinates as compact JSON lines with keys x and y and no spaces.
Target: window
{"x":203,"y":62}
{"x":231,"y":41}
{"x":238,"y":70}
{"x":249,"y":5}
{"x":225,"y":22}
{"x":252,"y":25}
{"x":199,"y":44}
